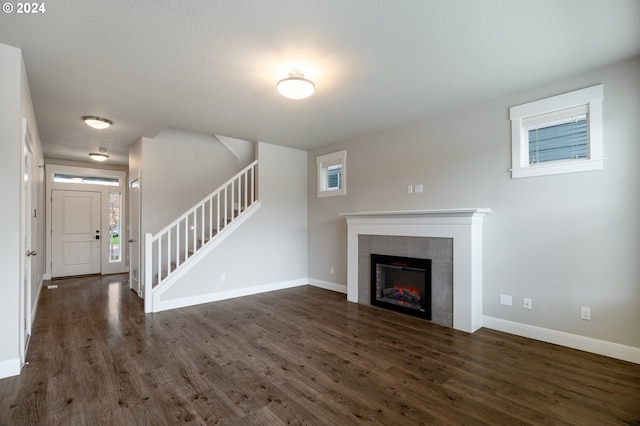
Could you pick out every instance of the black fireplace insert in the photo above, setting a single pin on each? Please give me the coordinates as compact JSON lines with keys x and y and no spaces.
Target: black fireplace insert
{"x":401,"y":284}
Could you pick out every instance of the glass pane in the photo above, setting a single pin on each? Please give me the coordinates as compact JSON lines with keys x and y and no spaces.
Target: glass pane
{"x":564,"y":141}
{"x":114,"y":227}
{"x":334,"y":177}
{"x":86,"y":180}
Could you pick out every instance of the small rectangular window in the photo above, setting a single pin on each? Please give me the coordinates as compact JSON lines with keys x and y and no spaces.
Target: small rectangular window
{"x":331,"y":174}
{"x":561,"y":134}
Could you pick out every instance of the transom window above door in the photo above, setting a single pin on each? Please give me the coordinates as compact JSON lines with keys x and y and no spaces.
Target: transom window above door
{"x":85,"y":180}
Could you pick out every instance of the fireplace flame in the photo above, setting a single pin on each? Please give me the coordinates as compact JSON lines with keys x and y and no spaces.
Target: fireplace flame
{"x":408,"y":289}
{"x":402,"y":295}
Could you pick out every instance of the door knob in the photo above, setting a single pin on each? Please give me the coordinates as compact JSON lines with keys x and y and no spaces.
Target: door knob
{"x":31,"y":253}
{"x":132,"y":240}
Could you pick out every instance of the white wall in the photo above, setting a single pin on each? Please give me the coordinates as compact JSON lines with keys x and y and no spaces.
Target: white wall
{"x":269,"y":249}
{"x":10,"y":248}
{"x":15,"y":103}
{"x":565,"y":241}
{"x":179,"y":168}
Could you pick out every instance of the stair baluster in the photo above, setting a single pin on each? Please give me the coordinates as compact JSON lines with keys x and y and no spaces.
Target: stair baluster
{"x":174,"y":246}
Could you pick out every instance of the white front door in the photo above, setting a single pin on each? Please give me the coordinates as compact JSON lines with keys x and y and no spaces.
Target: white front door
{"x":76,"y":235}
{"x":135,"y":283}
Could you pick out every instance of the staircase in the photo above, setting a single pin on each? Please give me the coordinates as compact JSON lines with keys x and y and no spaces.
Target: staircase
{"x":170,"y":253}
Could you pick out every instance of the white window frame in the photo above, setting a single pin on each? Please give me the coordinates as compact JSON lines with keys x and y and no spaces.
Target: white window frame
{"x":323,"y":162}
{"x":553,"y":107}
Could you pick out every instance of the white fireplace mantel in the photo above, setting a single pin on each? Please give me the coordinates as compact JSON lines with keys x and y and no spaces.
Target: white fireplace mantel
{"x":463,"y":225}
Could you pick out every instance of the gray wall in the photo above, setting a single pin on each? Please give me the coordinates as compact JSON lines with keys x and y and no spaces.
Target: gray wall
{"x":565,"y":241}
{"x":270,"y":247}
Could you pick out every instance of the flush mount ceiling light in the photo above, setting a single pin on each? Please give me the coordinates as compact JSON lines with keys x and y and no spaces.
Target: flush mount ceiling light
{"x":296,"y":86}
{"x":97,"y":122}
{"x":101,"y":155}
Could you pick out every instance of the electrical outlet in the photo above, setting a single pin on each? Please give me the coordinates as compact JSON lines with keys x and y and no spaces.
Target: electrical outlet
{"x":418,"y":188}
{"x":223,"y":276}
{"x":332,"y":270}
{"x":527,"y":303}
{"x":585,"y":313}
{"x":506,"y":300}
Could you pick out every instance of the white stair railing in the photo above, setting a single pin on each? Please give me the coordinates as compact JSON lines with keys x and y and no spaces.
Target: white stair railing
{"x":176,"y":244}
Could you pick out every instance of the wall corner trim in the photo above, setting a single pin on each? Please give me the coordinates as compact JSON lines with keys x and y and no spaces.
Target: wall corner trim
{"x":574,"y":341}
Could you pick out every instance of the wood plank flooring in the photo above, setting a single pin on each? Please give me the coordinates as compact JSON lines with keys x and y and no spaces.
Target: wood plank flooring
{"x":297,"y":356}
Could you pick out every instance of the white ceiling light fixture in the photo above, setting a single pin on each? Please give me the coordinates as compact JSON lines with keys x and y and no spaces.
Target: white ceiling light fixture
{"x":97,"y":122}
{"x":101,"y":155}
{"x":296,"y":86}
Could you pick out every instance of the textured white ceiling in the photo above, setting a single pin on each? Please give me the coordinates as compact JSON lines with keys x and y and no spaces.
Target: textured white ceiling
{"x":211,"y":65}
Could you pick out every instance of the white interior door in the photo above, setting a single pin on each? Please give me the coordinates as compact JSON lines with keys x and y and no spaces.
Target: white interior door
{"x":27,"y":249}
{"x":75,"y":233}
{"x":135,"y":283}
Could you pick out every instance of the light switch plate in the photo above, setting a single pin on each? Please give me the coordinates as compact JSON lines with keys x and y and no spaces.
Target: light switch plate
{"x":506,"y":300}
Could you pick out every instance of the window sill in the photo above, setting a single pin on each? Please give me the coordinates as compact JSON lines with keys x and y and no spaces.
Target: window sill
{"x":558,"y":168}
{"x":332,"y":193}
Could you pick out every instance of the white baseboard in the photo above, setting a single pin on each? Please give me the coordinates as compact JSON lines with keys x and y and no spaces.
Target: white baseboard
{"x":340,"y":288}
{"x":164,"y":305}
{"x":600,"y":347}
{"x":192,"y":261}
{"x":9,"y":368}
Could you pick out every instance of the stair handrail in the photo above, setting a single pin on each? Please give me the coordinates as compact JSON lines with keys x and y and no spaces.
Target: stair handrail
{"x":205,"y":199}
{"x":247,"y":197}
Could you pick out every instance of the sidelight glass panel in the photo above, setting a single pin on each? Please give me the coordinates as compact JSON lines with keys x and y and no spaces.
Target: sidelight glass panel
{"x":115,"y":219}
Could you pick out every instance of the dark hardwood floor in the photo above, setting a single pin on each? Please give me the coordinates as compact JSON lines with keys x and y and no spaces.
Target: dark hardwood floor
{"x":298,"y":356}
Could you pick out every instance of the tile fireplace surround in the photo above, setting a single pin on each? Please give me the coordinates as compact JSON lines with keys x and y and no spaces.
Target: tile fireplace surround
{"x":463,"y":226}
